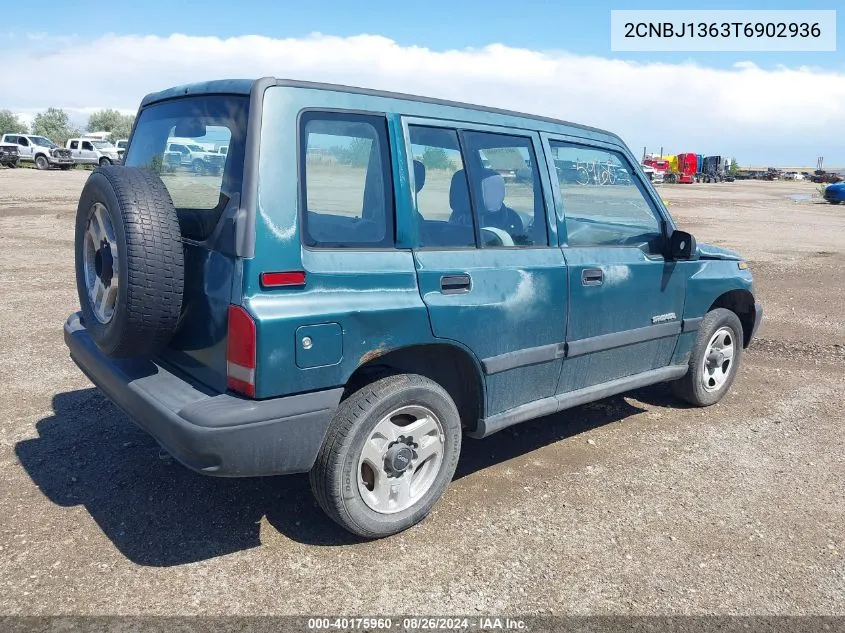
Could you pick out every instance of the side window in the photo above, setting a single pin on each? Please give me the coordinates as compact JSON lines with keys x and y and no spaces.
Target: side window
{"x":23,"y":141}
{"x":10,"y":139}
{"x":347,"y":187}
{"x":74,"y":144}
{"x":444,"y":212}
{"x":87,"y":145}
{"x":505,"y":187}
{"x":602,"y":202}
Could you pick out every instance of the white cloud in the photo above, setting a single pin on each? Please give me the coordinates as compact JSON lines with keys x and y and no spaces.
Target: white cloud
{"x":759,"y":115}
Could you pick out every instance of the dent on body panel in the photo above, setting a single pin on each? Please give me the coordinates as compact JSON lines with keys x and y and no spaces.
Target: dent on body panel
{"x":615,"y":274}
{"x":710,"y":280}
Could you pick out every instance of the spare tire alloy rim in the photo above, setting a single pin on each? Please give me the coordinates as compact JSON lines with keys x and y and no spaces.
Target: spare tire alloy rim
{"x":100,"y":257}
{"x":718,"y":359}
{"x":401,"y":458}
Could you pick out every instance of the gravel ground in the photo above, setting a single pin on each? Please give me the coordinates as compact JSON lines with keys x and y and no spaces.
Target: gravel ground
{"x":632,"y":505}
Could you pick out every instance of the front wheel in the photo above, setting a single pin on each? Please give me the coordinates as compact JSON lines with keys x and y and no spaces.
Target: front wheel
{"x":199,"y":167}
{"x":714,"y":359}
{"x":104,"y":162}
{"x":390,"y":452}
{"x":42,"y":163}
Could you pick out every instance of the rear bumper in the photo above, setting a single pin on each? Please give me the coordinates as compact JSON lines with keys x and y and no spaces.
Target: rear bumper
{"x":213,"y":433}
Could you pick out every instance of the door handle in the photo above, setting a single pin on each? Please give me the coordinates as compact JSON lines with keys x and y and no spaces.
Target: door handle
{"x":592,"y":277}
{"x":455,"y":284}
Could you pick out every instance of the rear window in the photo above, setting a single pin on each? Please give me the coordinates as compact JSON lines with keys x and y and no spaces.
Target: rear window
{"x":347,"y":188}
{"x":176,"y":139}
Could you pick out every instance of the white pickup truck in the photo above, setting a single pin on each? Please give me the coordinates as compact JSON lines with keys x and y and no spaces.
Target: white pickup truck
{"x":39,"y":150}
{"x":199,"y":159}
{"x":91,"y":151}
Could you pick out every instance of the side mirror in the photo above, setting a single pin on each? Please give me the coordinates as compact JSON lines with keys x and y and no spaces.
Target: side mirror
{"x":681,"y":245}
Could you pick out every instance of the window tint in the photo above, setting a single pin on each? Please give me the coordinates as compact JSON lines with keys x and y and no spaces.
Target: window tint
{"x":201,"y":188}
{"x":444,"y":215}
{"x":505,"y":188}
{"x":347,"y":185}
{"x":602,"y":202}
{"x":74,"y":144}
{"x":11,"y":139}
{"x":87,"y":145}
{"x":23,"y":141}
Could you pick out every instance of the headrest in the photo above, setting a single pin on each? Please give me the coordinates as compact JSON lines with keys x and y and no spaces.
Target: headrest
{"x":492,"y":190}
{"x":459,"y":193}
{"x":419,"y":175}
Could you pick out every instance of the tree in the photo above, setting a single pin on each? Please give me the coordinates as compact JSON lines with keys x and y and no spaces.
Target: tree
{"x":356,"y":153}
{"x":11,"y":124}
{"x":436,"y":158}
{"x":54,"y":123}
{"x":733,"y":167}
{"x":118,"y":125}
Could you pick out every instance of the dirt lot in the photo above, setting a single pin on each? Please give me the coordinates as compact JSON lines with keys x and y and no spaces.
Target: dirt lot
{"x":632,"y":505}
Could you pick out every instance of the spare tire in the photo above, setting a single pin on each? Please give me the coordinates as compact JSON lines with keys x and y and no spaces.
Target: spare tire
{"x":129,"y":261}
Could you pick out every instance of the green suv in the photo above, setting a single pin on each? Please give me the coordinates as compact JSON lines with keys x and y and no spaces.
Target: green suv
{"x":373,"y":277}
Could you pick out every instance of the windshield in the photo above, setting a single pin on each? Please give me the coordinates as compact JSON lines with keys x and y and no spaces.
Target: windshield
{"x":42,"y":141}
{"x":199,"y":187}
{"x":103,"y":145}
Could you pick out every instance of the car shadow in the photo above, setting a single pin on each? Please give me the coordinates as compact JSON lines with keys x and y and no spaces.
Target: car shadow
{"x":158,"y":513}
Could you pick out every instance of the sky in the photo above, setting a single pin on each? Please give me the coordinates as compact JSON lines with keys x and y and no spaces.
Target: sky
{"x":552,"y":59}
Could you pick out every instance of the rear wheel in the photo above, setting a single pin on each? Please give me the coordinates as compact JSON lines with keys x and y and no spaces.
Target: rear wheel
{"x":714,"y":359}
{"x":199,"y":167}
{"x":104,"y":162}
{"x":41,"y":162}
{"x":66,"y":167}
{"x":389,"y":454}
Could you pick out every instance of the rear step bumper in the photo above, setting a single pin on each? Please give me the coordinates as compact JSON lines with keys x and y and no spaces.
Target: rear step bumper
{"x":212,"y":433}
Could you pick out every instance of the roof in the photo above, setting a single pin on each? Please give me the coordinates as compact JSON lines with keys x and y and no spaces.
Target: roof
{"x":244,"y":87}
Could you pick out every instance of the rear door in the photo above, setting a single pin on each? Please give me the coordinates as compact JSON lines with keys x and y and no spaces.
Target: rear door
{"x":75,"y":151}
{"x":88,"y":154}
{"x":24,"y":147}
{"x":489,"y":269}
{"x":625,"y":300}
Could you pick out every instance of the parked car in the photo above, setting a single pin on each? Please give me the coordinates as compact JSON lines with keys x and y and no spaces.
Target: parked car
{"x":88,"y":151}
{"x":196,"y":157}
{"x":835,"y":193}
{"x":822,"y":176}
{"x":39,"y":150}
{"x":9,"y":156}
{"x":310,"y":312}
{"x":121,"y":146}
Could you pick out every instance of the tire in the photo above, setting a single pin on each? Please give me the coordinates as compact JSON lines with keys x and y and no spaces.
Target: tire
{"x":41,"y":162}
{"x":199,"y":167}
{"x":700,"y":386}
{"x":105,"y":162}
{"x":67,"y":167}
{"x":834,"y":201}
{"x":339,"y":474}
{"x":15,"y":164}
{"x":141,"y":252}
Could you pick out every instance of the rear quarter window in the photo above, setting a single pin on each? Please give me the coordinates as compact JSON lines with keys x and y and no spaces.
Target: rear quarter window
{"x":345,"y":179}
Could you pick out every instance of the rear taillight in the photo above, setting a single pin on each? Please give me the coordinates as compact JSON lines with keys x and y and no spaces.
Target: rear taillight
{"x":240,"y":352}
